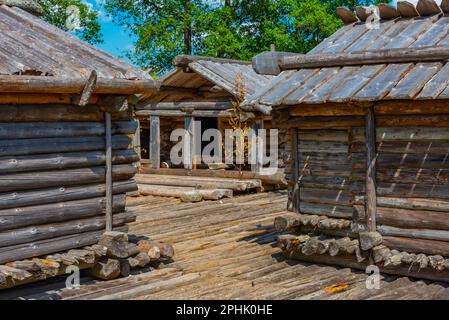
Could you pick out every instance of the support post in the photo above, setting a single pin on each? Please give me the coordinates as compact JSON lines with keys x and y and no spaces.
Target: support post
{"x":258,"y":125}
{"x":155,"y":142}
{"x":371,"y":196}
{"x":109,"y":181}
{"x":189,"y":142}
{"x":136,"y":142}
{"x":295,"y":196}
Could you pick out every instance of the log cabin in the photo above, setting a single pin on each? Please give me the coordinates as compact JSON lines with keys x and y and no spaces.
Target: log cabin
{"x":205,"y":91}
{"x":367,"y":118}
{"x":66,"y":159}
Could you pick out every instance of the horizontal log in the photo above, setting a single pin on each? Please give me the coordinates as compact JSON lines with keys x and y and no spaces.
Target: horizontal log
{"x":384,"y":56}
{"x":403,"y":134}
{"x":340,"y":122}
{"x":63,"y":129}
{"x":408,"y":218}
{"x":54,"y":145}
{"x":46,"y":179}
{"x":402,"y":107}
{"x":431,"y":247}
{"x":42,"y":247}
{"x":278,"y":178}
{"x":306,"y":110}
{"x":323,"y":147}
{"x":427,"y":234}
{"x":420,"y":190}
{"x":419,"y":147}
{"x":41,"y":98}
{"x":201,"y":182}
{"x":338,"y":197}
{"x":414,"y":203}
{"x":332,"y":211}
{"x":195,"y":113}
{"x":62,"y":161}
{"x":324,"y":182}
{"x":325,"y":157}
{"x":55,"y":112}
{"x":33,"y":84}
{"x":57,"y":212}
{"x":18,"y":199}
{"x":414,"y":175}
{"x":181,"y":192}
{"x":413,"y":120}
{"x":54,"y":230}
{"x":351,"y":262}
{"x":180,"y":106}
{"x":400,"y":161}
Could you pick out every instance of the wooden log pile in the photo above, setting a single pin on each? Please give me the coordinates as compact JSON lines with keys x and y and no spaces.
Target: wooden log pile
{"x":112,"y":257}
{"x":53,"y":177}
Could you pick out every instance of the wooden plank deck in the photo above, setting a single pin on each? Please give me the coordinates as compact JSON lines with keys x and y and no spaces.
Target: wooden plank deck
{"x":226,"y":250}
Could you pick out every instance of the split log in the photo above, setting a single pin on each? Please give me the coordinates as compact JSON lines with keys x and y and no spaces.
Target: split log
{"x":342,"y":246}
{"x":24,"y":147}
{"x":179,"y":192}
{"x":414,"y":204}
{"x":125,"y":268}
{"x":39,"y":248}
{"x":57,"y":212}
{"x":54,"y":230}
{"x":106,"y":269}
{"x":116,"y":242}
{"x":310,"y":247}
{"x":133,"y":250}
{"x":369,"y":240}
{"x":204,"y":183}
{"x":39,"y":130}
{"x":143,"y":259}
{"x":166,"y":250}
{"x":61,"y":194}
{"x":191,"y":196}
{"x":133,"y":262}
{"x":60,"y":161}
{"x":45,"y":179}
{"x":287,"y":222}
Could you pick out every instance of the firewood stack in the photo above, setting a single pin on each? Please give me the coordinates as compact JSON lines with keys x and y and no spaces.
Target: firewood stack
{"x":319,"y":239}
{"x":112,"y":257}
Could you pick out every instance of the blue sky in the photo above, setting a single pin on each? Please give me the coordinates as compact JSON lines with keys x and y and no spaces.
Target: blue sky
{"x":116,"y":39}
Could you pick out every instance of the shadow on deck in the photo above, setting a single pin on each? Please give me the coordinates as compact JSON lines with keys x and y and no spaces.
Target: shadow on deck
{"x":226,"y":250}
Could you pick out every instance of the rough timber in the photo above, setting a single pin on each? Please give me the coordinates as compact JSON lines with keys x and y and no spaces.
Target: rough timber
{"x":227,"y":251}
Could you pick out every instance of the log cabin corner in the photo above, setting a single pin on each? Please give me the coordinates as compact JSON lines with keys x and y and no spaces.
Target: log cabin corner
{"x":367,"y":113}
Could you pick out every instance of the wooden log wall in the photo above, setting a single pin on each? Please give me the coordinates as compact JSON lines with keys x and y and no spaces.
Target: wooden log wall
{"x":412,"y":172}
{"x":52,"y":177}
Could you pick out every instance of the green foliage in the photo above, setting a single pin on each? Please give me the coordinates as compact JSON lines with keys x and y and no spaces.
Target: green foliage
{"x":236,"y":29}
{"x":55,"y":12}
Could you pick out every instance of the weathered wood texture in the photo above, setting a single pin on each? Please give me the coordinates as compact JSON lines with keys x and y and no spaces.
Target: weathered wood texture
{"x":53,"y":165}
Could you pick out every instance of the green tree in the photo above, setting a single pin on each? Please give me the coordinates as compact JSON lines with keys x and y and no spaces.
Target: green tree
{"x":236,"y":29}
{"x":57,"y":12}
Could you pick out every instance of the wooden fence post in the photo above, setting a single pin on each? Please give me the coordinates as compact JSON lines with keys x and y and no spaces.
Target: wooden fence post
{"x":259,"y":148}
{"x":371,"y":196}
{"x":109,"y":182}
{"x":155,"y":142}
{"x":189,"y":142}
{"x":296,"y":199}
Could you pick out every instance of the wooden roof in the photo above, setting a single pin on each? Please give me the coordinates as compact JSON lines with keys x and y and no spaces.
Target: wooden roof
{"x":400,"y":29}
{"x":31,"y":46}
{"x":199,"y":73}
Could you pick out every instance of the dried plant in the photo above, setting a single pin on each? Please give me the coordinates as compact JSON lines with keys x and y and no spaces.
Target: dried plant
{"x":238,"y":121}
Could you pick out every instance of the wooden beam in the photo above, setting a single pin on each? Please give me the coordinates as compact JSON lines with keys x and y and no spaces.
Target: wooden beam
{"x":258,"y":125}
{"x":40,"y":84}
{"x":109,"y":181}
{"x":183,"y":61}
{"x":296,"y":199}
{"x":83,"y":99}
{"x":195,"y":113}
{"x":179,"y":106}
{"x":155,"y":142}
{"x":346,"y":15}
{"x":366,"y":57}
{"x":371,"y":196}
{"x":137,"y":142}
{"x":189,"y":142}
